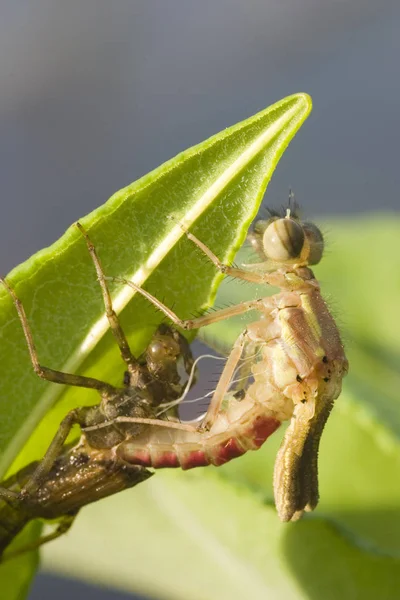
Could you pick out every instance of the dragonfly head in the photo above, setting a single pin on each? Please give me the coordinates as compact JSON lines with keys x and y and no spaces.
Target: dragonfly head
{"x":168,"y":356}
{"x":287,"y":240}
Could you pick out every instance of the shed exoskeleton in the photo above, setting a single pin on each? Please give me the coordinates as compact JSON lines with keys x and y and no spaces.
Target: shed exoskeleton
{"x":70,"y":477}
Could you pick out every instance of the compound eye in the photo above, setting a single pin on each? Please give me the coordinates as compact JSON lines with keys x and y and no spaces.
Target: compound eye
{"x":163,"y":348}
{"x":283,"y":240}
{"x":156,"y":350}
{"x":316,"y":242}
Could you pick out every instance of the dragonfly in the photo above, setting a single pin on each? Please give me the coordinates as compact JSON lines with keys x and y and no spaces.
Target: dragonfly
{"x":295,"y":374}
{"x":70,"y":477}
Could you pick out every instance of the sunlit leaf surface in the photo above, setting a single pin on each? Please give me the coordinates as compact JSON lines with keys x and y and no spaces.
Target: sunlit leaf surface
{"x":214,"y":188}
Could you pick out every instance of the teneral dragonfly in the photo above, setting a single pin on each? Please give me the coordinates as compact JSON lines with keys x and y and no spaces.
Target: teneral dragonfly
{"x":297,"y":374}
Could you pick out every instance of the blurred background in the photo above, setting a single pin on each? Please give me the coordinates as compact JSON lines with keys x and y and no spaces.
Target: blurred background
{"x":95,"y":94}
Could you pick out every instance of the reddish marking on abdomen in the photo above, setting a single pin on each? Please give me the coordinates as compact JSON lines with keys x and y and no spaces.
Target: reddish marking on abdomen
{"x":165,"y":460}
{"x":134,"y":455}
{"x":228,"y":450}
{"x":193,"y":459}
{"x":261,"y":429}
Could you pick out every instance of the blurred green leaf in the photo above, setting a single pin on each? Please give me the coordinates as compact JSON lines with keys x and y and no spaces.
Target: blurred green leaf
{"x":214,"y":188}
{"x":194,"y":535}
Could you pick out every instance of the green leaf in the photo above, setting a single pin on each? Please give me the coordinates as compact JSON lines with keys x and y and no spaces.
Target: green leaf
{"x":215,"y":188}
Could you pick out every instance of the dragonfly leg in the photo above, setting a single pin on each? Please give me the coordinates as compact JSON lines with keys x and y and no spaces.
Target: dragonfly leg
{"x":112,"y":317}
{"x":261,"y":278}
{"x":44,"y":372}
{"x":224,"y":381}
{"x":249,"y":335}
{"x":218,"y":315}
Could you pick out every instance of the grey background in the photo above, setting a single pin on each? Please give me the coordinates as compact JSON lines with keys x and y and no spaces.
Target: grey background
{"x":95,"y":94}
